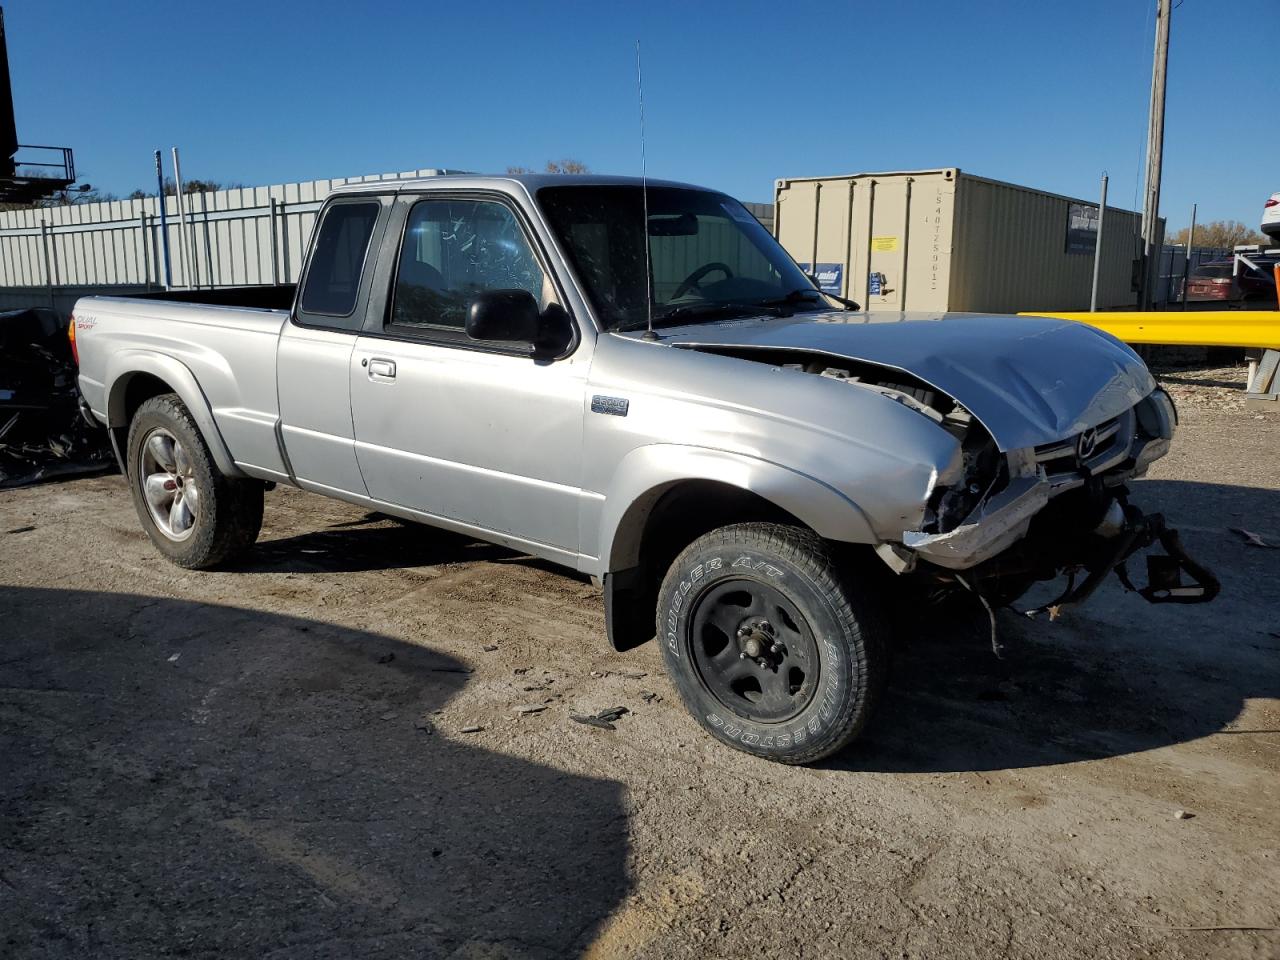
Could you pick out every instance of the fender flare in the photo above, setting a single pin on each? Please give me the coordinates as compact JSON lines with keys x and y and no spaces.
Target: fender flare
{"x":126,"y":364}
{"x":647,"y":472}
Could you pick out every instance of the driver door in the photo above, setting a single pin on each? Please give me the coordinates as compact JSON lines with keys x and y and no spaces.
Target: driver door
{"x":475,"y":433}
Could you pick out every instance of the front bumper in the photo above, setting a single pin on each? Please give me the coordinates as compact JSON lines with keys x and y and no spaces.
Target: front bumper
{"x":1102,"y":457}
{"x":994,"y":527}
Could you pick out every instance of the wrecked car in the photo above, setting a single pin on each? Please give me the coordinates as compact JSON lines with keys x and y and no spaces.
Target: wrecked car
{"x":636,"y":382}
{"x":44,"y":433}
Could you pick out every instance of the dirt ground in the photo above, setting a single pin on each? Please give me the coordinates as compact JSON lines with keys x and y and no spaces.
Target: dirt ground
{"x":274,"y":761}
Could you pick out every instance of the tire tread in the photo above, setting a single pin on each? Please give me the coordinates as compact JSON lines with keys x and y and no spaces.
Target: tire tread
{"x":232,"y":505}
{"x":865,"y":625}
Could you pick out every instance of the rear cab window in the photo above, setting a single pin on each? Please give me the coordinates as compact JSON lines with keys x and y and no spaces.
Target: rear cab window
{"x":1212,"y":271}
{"x":331,"y":289}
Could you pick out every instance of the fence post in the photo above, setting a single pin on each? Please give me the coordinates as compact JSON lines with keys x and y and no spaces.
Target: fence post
{"x":1097,"y":249}
{"x":275,"y":247}
{"x":1186,"y":266}
{"x":187,"y":236}
{"x":164,"y":224}
{"x":145,"y":259}
{"x":48,"y":264}
{"x":284,"y":239}
{"x":208,"y":244}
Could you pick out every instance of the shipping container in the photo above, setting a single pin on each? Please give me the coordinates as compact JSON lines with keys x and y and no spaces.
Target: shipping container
{"x":943,"y":240}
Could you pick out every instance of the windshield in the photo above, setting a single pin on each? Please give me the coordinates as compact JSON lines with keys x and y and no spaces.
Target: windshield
{"x":708,"y":257}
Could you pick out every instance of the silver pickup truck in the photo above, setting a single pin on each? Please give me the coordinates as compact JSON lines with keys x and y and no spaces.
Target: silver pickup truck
{"x":640,"y":384}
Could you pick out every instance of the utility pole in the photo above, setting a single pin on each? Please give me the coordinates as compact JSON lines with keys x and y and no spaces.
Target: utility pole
{"x":1151,"y":239}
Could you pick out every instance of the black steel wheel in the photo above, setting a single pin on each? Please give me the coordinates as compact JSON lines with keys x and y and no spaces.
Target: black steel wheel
{"x":772,"y":645}
{"x":754,"y":650}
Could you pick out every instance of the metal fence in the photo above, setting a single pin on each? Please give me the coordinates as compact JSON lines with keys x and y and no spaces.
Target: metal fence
{"x":1174,"y":267}
{"x":250,"y":235}
{"x":237,"y":237}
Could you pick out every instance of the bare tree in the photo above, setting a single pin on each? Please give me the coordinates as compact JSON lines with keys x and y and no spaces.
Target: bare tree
{"x":191,"y":186}
{"x":1219,"y":233}
{"x":555,"y":166}
{"x":72,"y":195}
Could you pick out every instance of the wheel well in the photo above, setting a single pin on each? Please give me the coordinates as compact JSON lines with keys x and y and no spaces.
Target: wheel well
{"x":678,"y":515}
{"x":688,"y":510}
{"x":139,"y":388}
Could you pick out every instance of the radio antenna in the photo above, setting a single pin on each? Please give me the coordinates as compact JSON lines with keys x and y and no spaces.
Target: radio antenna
{"x":644,"y":192}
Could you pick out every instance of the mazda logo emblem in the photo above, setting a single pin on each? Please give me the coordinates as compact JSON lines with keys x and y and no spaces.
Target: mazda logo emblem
{"x":1087,"y":443}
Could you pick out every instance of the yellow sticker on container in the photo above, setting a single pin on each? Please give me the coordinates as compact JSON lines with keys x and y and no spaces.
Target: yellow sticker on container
{"x":884,"y":244}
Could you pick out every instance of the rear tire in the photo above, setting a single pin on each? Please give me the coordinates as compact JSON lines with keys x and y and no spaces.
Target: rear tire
{"x":774,"y":648}
{"x":195,"y":516}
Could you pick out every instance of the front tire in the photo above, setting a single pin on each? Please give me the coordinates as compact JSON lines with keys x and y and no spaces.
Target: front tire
{"x":195,"y":516}
{"x":772,"y":647}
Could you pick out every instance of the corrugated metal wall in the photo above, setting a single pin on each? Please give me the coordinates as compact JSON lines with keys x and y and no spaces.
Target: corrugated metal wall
{"x":896,"y":227}
{"x":762,"y":212}
{"x":943,"y":240}
{"x":252,"y":235}
{"x":675,"y":258}
{"x":1010,"y":252}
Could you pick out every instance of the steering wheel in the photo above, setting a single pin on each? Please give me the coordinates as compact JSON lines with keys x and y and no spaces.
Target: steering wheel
{"x":694,"y":280}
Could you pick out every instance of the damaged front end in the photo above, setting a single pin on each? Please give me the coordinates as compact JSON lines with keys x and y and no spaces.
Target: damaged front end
{"x":1036,"y":487}
{"x":1059,"y":509}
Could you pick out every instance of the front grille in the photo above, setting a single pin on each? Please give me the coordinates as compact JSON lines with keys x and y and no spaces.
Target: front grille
{"x":1105,"y":445}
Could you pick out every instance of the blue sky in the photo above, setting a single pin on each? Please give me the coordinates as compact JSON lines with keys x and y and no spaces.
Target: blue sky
{"x":1047,"y":94}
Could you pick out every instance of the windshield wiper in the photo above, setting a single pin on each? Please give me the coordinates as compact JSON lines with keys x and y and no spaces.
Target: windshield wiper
{"x":807,"y":294}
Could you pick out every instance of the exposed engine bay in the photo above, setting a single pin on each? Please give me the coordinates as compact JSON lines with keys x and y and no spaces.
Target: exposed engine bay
{"x":999,"y":521}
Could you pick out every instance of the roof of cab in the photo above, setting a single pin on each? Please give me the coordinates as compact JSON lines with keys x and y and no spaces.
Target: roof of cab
{"x":532,"y":182}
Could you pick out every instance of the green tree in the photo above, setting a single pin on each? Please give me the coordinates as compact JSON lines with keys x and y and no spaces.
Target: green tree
{"x":1219,"y":233}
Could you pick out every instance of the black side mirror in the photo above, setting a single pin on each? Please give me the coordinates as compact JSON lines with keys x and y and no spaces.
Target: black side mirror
{"x":506,"y":315}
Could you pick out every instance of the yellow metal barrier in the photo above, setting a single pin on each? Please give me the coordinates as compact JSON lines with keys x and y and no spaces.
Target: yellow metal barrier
{"x":1195,"y":328}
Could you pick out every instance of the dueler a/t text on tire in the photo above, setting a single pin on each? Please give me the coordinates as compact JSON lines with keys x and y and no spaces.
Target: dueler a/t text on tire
{"x":193,"y":514}
{"x":773,"y":648}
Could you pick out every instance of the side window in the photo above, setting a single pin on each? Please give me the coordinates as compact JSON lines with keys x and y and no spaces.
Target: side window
{"x":333,"y":278}
{"x":454,"y":249}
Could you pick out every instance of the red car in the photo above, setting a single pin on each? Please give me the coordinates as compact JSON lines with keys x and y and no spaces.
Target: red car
{"x":1218,"y":280}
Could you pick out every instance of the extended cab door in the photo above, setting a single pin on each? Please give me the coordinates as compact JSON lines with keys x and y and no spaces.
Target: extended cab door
{"x":313,"y":361}
{"x":477,"y":433}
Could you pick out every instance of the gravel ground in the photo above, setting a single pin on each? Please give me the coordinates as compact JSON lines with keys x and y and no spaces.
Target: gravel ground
{"x":322,"y":753}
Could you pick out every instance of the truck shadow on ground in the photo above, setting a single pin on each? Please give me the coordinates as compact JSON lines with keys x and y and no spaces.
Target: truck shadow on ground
{"x":1115,"y":677}
{"x":216,"y":781}
{"x":377,"y":542}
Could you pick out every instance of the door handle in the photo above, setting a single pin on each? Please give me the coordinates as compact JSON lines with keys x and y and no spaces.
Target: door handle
{"x":382,"y":369}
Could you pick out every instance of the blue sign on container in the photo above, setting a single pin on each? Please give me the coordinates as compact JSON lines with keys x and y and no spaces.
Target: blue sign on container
{"x":830,"y":277}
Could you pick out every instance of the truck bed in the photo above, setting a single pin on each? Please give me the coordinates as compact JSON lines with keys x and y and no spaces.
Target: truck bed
{"x":215,"y":347}
{"x":269,"y":297}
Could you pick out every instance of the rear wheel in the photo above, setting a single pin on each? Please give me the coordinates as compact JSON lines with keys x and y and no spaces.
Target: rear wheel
{"x":193,"y":514}
{"x":773,"y":647}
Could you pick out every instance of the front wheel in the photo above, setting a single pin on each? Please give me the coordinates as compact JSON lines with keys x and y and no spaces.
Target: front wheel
{"x":772,"y":646}
{"x":193,"y":514}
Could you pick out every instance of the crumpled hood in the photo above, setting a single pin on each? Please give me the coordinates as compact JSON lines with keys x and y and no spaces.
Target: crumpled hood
{"x":1029,"y":380}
